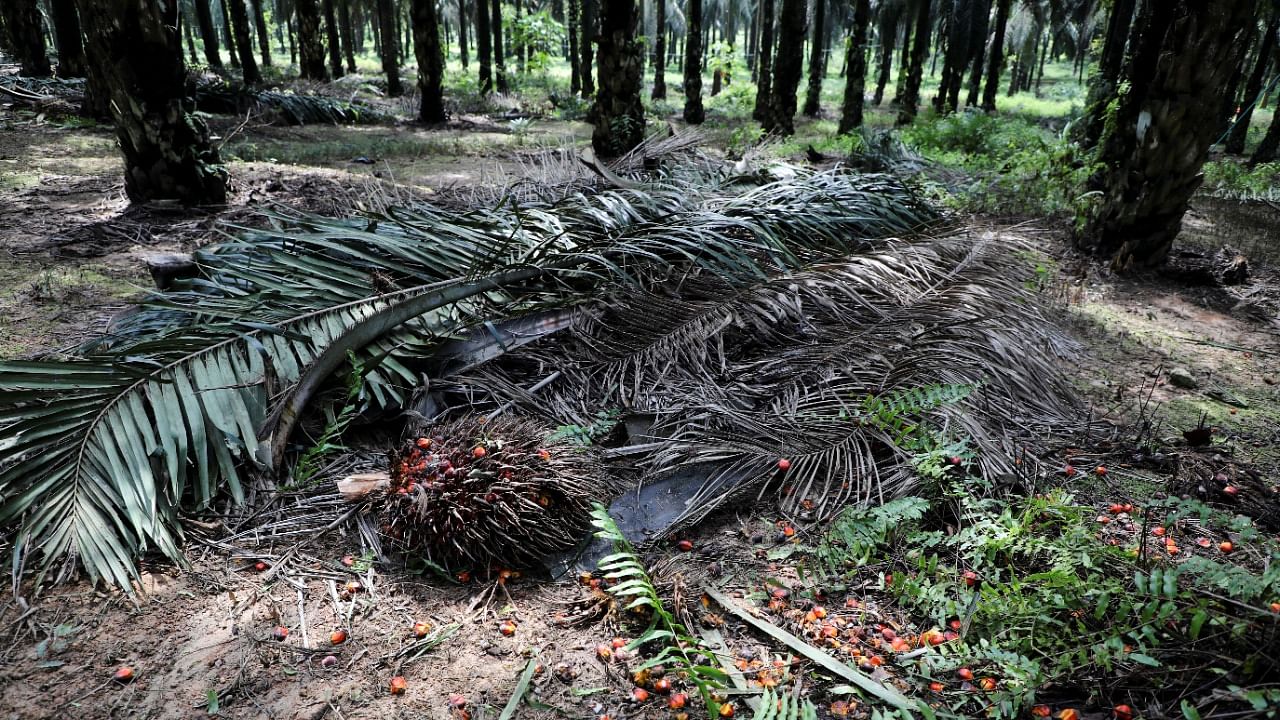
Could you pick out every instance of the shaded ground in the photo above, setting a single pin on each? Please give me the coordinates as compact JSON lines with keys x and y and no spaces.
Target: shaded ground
{"x":200,"y":638}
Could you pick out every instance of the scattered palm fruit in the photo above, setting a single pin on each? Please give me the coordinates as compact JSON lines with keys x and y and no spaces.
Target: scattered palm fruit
{"x":955,"y":624}
{"x":1101,"y":470}
{"x":260,"y":566}
{"x":639,"y":694}
{"x":988,"y":684}
{"x":347,"y":561}
{"x":1231,"y":490}
{"x":784,"y":464}
{"x":1068,"y":714}
{"x":457,"y":700}
{"x":788,"y":531}
{"x":662,"y":685}
{"x":1070,"y":470}
{"x":1158,"y":531}
{"x":726,"y":710}
{"x":123,"y":675}
{"x":423,"y":443}
{"x":618,"y":643}
{"x":1116,"y":508}
{"x":970,"y":578}
{"x":463,"y":576}
{"x":936,"y":686}
{"x":685,"y":545}
{"x":1042,"y":711}
{"x":1226,"y":546}
{"x":399,"y":685}
{"x":508,"y":627}
{"x":965,"y":674}
{"x":462,"y":504}
{"x":840,"y":708}
{"x":421,"y":629}
{"x":1122,"y":712}
{"x":328,"y":661}
{"x":680,"y":716}
{"x":604,"y":653}
{"x":640,"y":677}
{"x":1204,"y":542}
{"x":354,"y":587}
{"x":280,"y":633}
{"x":888,"y":579}
{"x":337,"y":637}
{"x":677,"y":701}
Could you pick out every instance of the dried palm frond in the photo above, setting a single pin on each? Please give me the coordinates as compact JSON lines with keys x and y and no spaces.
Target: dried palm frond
{"x":219,"y":96}
{"x":101,"y":452}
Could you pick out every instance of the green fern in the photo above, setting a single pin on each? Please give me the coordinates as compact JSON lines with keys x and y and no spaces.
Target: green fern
{"x":859,"y":532}
{"x":894,"y":411}
{"x":784,"y":707}
{"x":636,"y":590}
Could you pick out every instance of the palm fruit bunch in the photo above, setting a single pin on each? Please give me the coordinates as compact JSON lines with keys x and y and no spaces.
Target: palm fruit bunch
{"x":472,"y":492}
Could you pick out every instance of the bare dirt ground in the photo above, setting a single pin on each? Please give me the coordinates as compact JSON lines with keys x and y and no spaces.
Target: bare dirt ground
{"x":201,"y":638}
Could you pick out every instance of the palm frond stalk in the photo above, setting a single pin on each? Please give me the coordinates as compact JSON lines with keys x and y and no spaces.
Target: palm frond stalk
{"x":101,"y":453}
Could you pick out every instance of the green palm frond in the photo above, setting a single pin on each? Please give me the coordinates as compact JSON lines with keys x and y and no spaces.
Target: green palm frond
{"x":99,"y":454}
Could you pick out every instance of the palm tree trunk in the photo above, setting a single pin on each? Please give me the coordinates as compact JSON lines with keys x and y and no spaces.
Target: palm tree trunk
{"x":957,"y":56}
{"x":694,"y":112}
{"x":333,"y":33}
{"x":484,"y":46}
{"x":462,"y":34}
{"x":430,"y":56}
{"x":135,"y":60}
{"x":311,"y":45}
{"x":995,"y":60}
{"x":208,"y":35}
{"x":981,"y":21}
{"x":1253,"y":88}
{"x":24,"y":30}
{"x":1267,"y":149}
{"x":1153,"y":152}
{"x":227,"y":35}
{"x":660,"y":52}
{"x":499,"y":55}
{"x":348,"y":35}
{"x":619,"y":114}
{"x":855,"y":81}
{"x":813,"y":98}
{"x":1107,"y":76}
{"x":764,"y":87}
{"x":66,"y":24}
{"x":889,"y":19}
{"x":185,"y":17}
{"x":585,"y":39}
{"x":575,"y":54}
{"x":389,"y":46}
{"x":244,"y":44}
{"x":788,"y":66}
{"x":919,"y":49}
{"x":264,"y":38}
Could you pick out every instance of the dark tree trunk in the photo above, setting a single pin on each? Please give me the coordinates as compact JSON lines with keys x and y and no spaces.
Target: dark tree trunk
{"x":311,"y":43}
{"x":521,"y":64}
{"x":1153,"y":152}
{"x":957,"y":56}
{"x":462,"y":34}
{"x":995,"y":60}
{"x":227,"y":34}
{"x":1107,"y":77}
{"x":588,"y":35}
{"x":264,"y":38}
{"x":855,"y":80}
{"x":289,"y":26}
{"x":813,"y":98}
{"x":484,"y":46}
{"x":244,"y":44}
{"x":764,"y":87}
{"x":426,"y":47}
{"x":575,"y":53}
{"x":660,"y":52}
{"x":66,"y":23}
{"x":788,"y":66}
{"x":186,"y":34}
{"x":1252,"y":89}
{"x":694,"y":112}
{"x":26,"y":37}
{"x":334,"y":35}
{"x":135,"y":59}
{"x":499,"y":55}
{"x":981,"y":19}
{"x":208,"y":35}
{"x":919,"y":49}
{"x":619,"y":114}
{"x":1267,"y":149}
{"x":389,"y":46}
{"x":888,"y":36}
{"x":348,"y":36}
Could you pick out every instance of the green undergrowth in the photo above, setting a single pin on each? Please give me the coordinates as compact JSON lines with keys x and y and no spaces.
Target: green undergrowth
{"x":1062,"y":610}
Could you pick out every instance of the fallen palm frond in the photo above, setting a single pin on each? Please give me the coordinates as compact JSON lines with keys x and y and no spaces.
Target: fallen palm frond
{"x":219,"y":96}
{"x":101,"y":452}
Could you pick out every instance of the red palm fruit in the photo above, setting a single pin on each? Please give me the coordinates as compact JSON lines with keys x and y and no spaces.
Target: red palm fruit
{"x":399,"y":685}
{"x":685,"y":545}
{"x":1226,"y":546}
{"x":280,"y":633}
{"x":337,"y":637}
{"x":1042,"y":711}
{"x":618,"y":643}
{"x":970,"y":578}
{"x":662,"y":685}
{"x":354,"y":587}
{"x":677,"y":701}
{"x":784,"y":464}
{"x":328,"y":661}
{"x":479,"y":452}
{"x":1231,"y":490}
{"x":604,"y":652}
{"x":639,"y":694}
{"x":965,"y":674}
{"x":936,"y":686}
{"x":726,"y":710}
{"x":1070,"y":470}
{"x":1101,"y":470}
{"x":123,"y":675}
{"x":1122,"y":712}
{"x":423,"y":443}
{"x":260,"y":566}
{"x":840,"y":708}
{"x":421,"y":629}
{"x":1068,"y":714}
{"x":987,"y":684}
